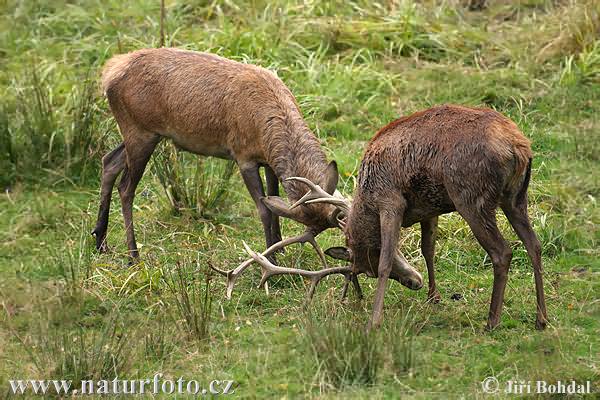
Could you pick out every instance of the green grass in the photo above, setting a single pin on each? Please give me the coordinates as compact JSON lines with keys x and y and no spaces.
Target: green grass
{"x":354,"y":67}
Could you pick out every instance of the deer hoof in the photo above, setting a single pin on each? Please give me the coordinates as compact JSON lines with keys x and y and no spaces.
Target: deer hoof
{"x":434,"y":297}
{"x":540,"y":324}
{"x":491,"y":325}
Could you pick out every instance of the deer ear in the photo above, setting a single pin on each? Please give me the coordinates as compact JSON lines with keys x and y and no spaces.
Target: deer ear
{"x":278,"y":206}
{"x":340,"y":253}
{"x":331,"y":177}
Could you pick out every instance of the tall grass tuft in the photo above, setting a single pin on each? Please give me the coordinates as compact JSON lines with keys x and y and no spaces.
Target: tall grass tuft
{"x":398,"y":335}
{"x":83,"y":139}
{"x":74,"y":264}
{"x":578,"y":30}
{"x":583,"y":68}
{"x":190,"y":182}
{"x":77,"y":353}
{"x":8,"y":152}
{"x":37,"y":127}
{"x":157,"y":341}
{"x":191,"y":300}
{"x":345,"y":353}
{"x":51,"y":128}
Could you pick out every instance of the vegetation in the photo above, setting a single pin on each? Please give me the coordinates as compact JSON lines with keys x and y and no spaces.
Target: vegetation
{"x":68,"y":312}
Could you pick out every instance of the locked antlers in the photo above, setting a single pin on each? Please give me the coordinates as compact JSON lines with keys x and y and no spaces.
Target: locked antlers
{"x":269,"y":270}
{"x":316,"y":194}
{"x":233,"y":274}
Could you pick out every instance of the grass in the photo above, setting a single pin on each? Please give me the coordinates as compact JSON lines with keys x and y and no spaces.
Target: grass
{"x":354,"y":67}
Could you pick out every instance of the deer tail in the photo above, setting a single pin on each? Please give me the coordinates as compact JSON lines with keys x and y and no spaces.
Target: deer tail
{"x":114,"y":70}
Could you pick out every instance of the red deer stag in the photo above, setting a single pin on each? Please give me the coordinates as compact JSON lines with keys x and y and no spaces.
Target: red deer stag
{"x":444,"y":159}
{"x":212,"y":106}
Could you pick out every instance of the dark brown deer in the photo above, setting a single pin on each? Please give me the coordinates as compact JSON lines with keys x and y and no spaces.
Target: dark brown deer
{"x":212,"y":106}
{"x":444,"y":159}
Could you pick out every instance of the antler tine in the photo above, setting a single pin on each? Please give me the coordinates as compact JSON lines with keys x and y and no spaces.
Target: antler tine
{"x":233,"y":274}
{"x":336,"y":201}
{"x":269,"y":270}
{"x":315,"y":191}
{"x":316,"y":194}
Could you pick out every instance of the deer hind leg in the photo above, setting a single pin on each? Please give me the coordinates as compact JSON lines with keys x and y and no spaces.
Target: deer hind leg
{"x":519,"y":219}
{"x":273,"y":190}
{"x":428,"y":236}
{"x":483,"y":224}
{"x":390,"y":219}
{"x":138,"y":150}
{"x":112,"y":165}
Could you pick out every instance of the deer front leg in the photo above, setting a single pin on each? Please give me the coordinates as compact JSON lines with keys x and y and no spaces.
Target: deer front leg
{"x":390,"y":220}
{"x":428,"y":236}
{"x":254,"y":184}
{"x":273,"y":190}
{"x":137,"y":153}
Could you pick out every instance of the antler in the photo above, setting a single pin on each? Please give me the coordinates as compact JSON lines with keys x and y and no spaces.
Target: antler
{"x":316,"y":194}
{"x":269,"y":270}
{"x":233,"y":274}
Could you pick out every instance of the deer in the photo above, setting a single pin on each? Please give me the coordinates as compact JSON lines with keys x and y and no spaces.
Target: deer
{"x":213,"y":106}
{"x":444,"y":159}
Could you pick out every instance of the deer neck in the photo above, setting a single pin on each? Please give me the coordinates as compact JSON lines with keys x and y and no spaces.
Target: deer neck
{"x":363,"y":228}
{"x":293,"y":150}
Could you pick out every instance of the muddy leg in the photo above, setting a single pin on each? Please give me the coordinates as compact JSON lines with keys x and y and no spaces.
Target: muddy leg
{"x":483,"y":225}
{"x":519,"y":219}
{"x":391,"y":220}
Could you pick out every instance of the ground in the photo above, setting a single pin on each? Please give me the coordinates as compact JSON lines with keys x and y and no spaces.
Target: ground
{"x":67,"y":312}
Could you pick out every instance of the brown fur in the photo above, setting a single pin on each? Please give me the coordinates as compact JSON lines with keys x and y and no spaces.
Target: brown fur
{"x":433,"y":162}
{"x":211,"y":106}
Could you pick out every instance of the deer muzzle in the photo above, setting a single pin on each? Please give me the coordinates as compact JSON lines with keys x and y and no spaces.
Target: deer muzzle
{"x":407,"y":276}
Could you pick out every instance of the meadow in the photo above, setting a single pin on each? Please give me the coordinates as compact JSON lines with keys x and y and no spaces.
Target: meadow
{"x":67,"y":312}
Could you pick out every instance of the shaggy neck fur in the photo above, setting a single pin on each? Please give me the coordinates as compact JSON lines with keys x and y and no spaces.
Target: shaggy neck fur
{"x":293,"y":150}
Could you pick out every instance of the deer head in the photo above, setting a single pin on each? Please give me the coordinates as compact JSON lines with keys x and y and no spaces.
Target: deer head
{"x":316,"y":217}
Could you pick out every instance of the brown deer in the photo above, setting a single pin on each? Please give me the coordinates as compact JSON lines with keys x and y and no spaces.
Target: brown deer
{"x":444,"y":159}
{"x":212,"y":106}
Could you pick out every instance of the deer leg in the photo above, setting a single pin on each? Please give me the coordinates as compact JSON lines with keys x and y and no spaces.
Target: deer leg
{"x":483,"y":224}
{"x":354,"y":279}
{"x":273,"y":190}
{"x":518,"y":218}
{"x":112,"y":164}
{"x":357,"y":289}
{"x":428,"y":236}
{"x":254,"y":184}
{"x":138,"y":153}
{"x":391,"y":221}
